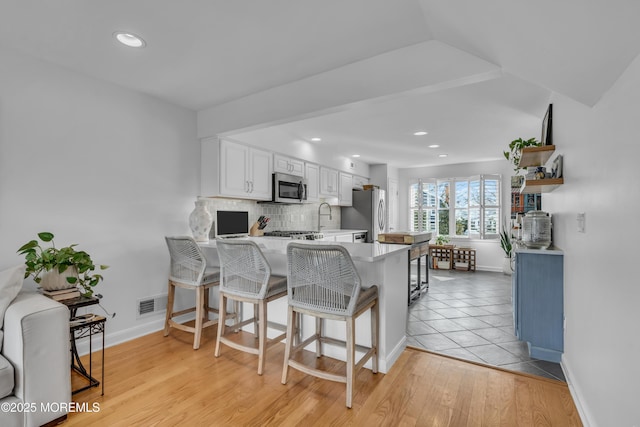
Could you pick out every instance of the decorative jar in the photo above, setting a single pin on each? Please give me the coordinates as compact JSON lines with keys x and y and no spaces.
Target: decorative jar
{"x":200,"y":221}
{"x":537,"y":230}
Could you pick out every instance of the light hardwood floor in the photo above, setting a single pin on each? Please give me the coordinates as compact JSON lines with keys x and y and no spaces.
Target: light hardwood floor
{"x":158,"y":381}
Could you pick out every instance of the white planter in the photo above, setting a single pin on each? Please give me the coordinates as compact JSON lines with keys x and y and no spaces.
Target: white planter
{"x":506,"y":265}
{"x":53,"y":281}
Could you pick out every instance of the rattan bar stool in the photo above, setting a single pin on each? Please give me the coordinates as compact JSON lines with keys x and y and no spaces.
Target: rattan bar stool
{"x":189,"y":270}
{"x":322,"y":281}
{"x":246,"y":277}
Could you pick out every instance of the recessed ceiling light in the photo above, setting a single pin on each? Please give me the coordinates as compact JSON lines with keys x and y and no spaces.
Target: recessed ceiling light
{"x":434,"y":146}
{"x":129,"y":39}
{"x":442,"y":155}
{"x":420,"y":133}
{"x":316,"y":139}
{"x":356,"y":155}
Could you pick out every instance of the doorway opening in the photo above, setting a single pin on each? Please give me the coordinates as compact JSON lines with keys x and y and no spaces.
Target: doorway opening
{"x":469,"y":315}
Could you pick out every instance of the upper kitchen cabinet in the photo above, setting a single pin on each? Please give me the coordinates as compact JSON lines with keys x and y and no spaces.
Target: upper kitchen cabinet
{"x":312,"y":174}
{"x":328,"y":182}
{"x":235,"y":170}
{"x":345,"y":195}
{"x":288,"y":165}
{"x":359,"y":182}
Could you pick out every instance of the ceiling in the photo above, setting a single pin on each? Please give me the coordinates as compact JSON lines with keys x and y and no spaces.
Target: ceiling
{"x":204,"y":54}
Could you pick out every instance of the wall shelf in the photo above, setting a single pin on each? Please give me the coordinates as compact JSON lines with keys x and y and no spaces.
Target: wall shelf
{"x":531,"y":186}
{"x":536,"y":156}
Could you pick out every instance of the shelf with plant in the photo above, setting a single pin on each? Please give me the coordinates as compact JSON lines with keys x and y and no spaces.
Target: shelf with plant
{"x":55,"y":268}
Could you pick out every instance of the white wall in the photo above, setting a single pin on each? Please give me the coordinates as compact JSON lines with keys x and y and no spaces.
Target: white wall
{"x":97,"y":165}
{"x":489,"y":255}
{"x":601,"y":294}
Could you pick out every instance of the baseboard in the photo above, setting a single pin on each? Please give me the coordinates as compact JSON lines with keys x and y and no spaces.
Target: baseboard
{"x":128,"y":334}
{"x":392,"y":356}
{"x":576,"y":394}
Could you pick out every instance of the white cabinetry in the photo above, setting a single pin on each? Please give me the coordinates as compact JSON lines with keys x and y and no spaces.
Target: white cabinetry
{"x":393,"y":204}
{"x":359,"y":182}
{"x":288,"y":165}
{"x":328,"y":182}
{"x":345,"y":195}
{"x":344,"y":237}
{"x":235,"y":170}
{"x":312,"y":174}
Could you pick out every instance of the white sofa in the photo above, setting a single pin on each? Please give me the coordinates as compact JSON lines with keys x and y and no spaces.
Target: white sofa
{"x":34,"y":362}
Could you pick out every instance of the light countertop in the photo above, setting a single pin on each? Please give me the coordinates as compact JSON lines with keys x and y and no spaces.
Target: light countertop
{"x":368,"y":252}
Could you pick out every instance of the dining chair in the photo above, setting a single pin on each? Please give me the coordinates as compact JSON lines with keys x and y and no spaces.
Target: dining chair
{"x":322,"y":282}
{"x":189,"y":270}
{"x":246,"y":277}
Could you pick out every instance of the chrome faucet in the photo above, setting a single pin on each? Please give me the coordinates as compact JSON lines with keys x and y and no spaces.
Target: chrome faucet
{"x":320,"y":215}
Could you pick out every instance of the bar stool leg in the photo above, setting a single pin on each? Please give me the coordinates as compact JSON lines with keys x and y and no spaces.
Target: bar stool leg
{"x":262,"y":334}
{"x":375,"y":314}
{"x":169,"y":315}
{"x":351,"y":354}
{"x":222,"y":314}
{"x":199,"y":317}
{"x":289,"y":344}
{"x":318,"y":336}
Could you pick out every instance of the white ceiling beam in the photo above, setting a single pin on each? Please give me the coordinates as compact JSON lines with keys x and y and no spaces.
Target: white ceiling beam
{"x":428,"y":66}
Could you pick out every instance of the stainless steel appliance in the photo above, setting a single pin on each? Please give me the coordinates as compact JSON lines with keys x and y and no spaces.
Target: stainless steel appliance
{"x":288,"y":189}
{"x":360,"y":237}
{"x":368,"y":212}
{"x":295,"y":234}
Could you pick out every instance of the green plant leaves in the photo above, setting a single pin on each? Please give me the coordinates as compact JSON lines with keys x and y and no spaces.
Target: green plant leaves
{"x":45,"y":236}
{"x":40,"y":260}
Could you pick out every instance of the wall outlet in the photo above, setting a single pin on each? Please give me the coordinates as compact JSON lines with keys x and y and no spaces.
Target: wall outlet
{"x":581,"y":222}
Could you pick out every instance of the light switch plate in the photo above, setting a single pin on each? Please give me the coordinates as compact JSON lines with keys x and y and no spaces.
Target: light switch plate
{"x":581,"y":221}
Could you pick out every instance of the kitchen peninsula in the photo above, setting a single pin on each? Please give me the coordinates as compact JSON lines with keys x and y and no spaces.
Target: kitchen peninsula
{"x":379,"y":264}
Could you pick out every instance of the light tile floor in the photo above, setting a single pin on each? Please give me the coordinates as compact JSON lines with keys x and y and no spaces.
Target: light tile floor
{"x":469,"y":315}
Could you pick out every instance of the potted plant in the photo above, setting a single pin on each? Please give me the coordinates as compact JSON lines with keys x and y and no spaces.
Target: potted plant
{"x":515,"y":150}
{"x":58,"y":268}
{"x":442,"y":240}
{"x":507,"y":247}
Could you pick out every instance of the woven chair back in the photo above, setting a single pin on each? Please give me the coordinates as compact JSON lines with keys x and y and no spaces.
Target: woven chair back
{"x":322,"y":278}
{"x":244,"y":271}
{"x":187,"y":260}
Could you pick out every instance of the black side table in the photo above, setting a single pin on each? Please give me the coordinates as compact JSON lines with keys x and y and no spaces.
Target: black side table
{"x":81,"y":327}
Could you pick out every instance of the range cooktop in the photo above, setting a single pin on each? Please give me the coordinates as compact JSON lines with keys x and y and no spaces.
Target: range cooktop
{"x":295,"y":234}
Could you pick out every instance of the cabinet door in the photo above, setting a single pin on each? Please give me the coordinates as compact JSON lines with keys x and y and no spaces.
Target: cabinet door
{"x":344,"y":237}
{"x":297,"y":167}
{"x":313,"y":182}
{"x":345,"y":197}
{"x":288,"y":165}
{"x":234,"y":169}
{"x":393,"y":202}
{"x":260,"y":175}
{"x":359,"y":182}
{"x":538,"y":303}
{"x":328,"y":182}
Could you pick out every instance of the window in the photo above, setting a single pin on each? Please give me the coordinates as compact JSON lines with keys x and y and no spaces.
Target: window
{"x":457,"y":207}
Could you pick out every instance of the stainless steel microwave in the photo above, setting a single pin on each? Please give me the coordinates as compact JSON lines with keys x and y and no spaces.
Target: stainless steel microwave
{"x":289,"y":188}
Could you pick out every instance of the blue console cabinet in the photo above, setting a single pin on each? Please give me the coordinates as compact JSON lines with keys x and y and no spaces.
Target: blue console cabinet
{"x":538,"y":302}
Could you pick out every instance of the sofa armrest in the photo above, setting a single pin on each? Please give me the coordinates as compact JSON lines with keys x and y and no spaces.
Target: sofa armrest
{"x":36,"y":343}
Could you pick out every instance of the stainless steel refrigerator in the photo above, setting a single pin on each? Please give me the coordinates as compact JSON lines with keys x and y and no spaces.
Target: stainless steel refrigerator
{"x":368,"y":212}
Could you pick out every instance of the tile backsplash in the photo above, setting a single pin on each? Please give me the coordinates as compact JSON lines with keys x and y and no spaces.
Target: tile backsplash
{"x":283,"y":217}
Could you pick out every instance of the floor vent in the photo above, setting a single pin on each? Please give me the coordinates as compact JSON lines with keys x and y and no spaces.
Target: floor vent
{"x":152,"y":305}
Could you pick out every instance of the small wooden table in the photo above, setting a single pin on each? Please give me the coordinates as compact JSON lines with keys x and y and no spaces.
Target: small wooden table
{"x":419,"y":248}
